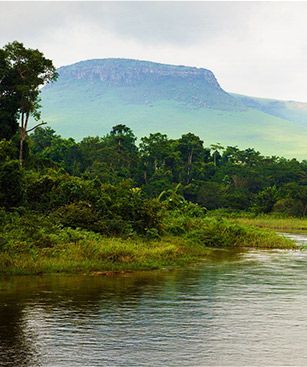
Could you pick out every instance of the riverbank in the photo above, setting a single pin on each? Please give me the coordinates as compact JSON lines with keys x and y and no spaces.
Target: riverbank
{"x":290,"y":224}
{"x":104,"y":255}
{"x":186,"y":240}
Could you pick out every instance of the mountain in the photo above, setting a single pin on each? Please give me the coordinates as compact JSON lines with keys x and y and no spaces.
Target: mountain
{"x":92,"y":96}
{"x":289,"y":110}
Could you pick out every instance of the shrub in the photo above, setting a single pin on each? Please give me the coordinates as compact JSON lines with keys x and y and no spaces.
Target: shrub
{"x":71,"y":189}
{"x":289,"y":206}
{"x":77,"y":215}
{"x":11,"y":184}
{"x":125,"y":204}
{"x":39,"y":190}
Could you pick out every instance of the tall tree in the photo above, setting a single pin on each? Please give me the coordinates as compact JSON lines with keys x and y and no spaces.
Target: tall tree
{"x":8,"y":100}
{"x":156,"y":154}
{"x":216,"y":155}
{"x":192,"y":151}
{"x":24,"y":71}
{"x":123,"y":149}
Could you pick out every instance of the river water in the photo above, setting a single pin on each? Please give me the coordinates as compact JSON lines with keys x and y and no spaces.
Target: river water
{"x":238,"y":309}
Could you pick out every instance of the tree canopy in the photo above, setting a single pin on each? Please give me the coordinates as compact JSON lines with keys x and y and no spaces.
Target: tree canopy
{"x":22,"y":72}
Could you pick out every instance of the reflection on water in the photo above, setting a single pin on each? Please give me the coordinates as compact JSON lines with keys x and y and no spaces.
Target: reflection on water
{"x":299,"y":238}
{"x":236,"y":310}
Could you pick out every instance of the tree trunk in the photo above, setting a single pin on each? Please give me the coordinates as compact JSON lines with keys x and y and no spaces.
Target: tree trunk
{"x":189,"y":167}
{"x":155,"y":165}
{"x":23,"y":134}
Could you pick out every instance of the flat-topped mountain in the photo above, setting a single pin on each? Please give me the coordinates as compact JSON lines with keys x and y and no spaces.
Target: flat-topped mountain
{"x":129,"y":72}
{"x":91,"y":96}
{"x":148,"y":82}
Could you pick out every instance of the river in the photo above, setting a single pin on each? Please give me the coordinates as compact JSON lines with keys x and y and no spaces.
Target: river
{"x":239,"y":309}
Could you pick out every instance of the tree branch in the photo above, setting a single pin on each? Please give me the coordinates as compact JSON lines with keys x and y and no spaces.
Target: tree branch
{"x":34,"y":127}
{"x":27,"y":120}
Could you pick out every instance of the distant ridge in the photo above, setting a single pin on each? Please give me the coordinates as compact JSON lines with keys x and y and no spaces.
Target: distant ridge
{"x":152,"y":81}
{"x":93,"y":95}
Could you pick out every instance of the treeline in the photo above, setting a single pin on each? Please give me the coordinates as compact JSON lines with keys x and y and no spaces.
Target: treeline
{"x":214,"y":177}
{"x":62,"y":202}
{"x":114,"y":184}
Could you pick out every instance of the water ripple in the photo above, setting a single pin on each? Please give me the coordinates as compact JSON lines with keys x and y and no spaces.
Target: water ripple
{"x":249,"y":311}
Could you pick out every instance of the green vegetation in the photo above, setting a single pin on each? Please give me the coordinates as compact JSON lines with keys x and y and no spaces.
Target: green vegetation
{"x":282,"y":224}
{"x":110,"y":204}
{"x":100,"y":254}
{"x":80,"y":104}
{"x":33,"y":244}
{"x":23,"y":72}
{"x":288,"y":110}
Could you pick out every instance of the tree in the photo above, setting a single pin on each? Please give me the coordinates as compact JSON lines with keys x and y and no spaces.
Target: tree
{"x":23,"y":72}
{"x":264,"y":200}
{"x":122,"y":151}
{"x":154,"y":150}
{"x":192,"y":151}
{"x":43,"y":138}
{"x":110,"y":158}
{"x":8,"y":101}
{"x":216,"y":152}
{"x":66,"y":152}
{"x":157,"y":156}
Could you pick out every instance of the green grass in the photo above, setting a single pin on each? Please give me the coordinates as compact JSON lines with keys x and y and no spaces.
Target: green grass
{"x":105,"y":255}
{"x":32,"y":245}
{"x":217,"y":232}
{"x":289,"y":224}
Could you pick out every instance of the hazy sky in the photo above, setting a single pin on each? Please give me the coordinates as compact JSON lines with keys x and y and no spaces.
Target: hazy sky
{"x":253,"y":48}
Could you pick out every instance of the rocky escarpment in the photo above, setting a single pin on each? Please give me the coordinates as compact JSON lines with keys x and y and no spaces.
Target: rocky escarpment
{"x":147,"y":82}
{"x":125,"y":71}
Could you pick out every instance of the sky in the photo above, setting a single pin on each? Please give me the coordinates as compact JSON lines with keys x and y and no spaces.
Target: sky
{"x":253,"y":48}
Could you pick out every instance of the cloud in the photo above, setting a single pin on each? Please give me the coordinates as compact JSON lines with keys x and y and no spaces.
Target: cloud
{"x":176,"y":23}
{"x":256,"y":48}
{"x":148,"y":22}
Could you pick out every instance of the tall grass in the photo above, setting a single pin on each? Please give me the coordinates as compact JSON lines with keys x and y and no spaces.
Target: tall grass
{"x":34,"y":247}
{"x":289,"y":224}
{"x":218,"y":232}
{"x":106,"y":254}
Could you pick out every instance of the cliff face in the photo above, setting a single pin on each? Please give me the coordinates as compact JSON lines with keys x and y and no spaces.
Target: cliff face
{"x":129,"y":72}
{"x":143,"y":82}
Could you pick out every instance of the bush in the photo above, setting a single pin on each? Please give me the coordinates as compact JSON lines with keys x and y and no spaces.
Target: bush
{"x":125,"y":204}
{"x":289,"y":206}
{"x":39,"y":190}
{"x":7,"y":150}
{"x":71,"y":189}
{"x":216,"y":232}
{"x":77,"y":215}
{"x":11,"y":184}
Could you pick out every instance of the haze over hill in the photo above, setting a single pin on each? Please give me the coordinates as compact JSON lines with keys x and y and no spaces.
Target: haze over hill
{"x":92,"y":96}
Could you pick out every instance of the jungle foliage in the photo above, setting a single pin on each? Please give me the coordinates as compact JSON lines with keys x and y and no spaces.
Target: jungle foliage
{"x":69,"y":192}
{"x":212,"y":177}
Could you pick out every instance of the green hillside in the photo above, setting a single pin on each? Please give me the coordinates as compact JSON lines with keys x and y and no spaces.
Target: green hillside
{"x":90,"y":97}
{"x":289,"y":110}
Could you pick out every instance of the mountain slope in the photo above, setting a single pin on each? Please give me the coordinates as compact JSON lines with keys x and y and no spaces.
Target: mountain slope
{"x":92,"y":96}
{"x":289,"y":110}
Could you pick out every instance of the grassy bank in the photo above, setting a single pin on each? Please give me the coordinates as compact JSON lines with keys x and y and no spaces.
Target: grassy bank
{"x":51,"y":249}
{"x":289,"y":224}
{"x":103,"y":255}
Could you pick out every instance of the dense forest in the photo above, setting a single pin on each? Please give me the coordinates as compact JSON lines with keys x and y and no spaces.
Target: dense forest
{"x":214,"y":177}
{"x":56,"y":190}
